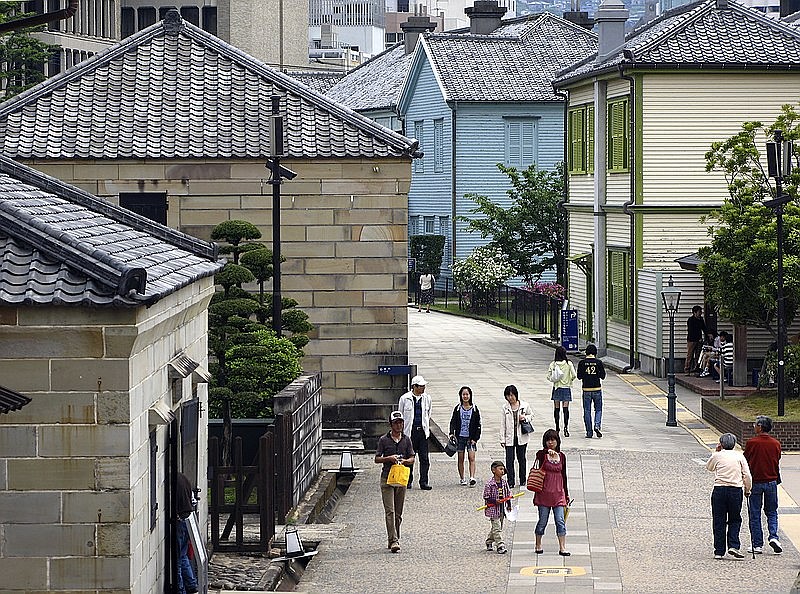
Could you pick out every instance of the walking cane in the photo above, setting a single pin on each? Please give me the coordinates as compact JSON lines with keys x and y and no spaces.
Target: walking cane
{"x":752,"y":548}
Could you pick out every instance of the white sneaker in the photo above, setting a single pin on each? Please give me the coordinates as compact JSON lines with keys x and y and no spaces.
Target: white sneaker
{"x":776,"y":545}
{"x":756,"y":550}
{"x":464,"y":481}
{"x":735,"y":553}
{"x":718,"y":557}
{"x":472,"y":481}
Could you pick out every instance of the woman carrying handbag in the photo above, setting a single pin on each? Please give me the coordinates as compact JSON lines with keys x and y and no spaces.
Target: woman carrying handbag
{"x":554,"y":494}
{"x":516,"y":412}
{"x":465,"y":427}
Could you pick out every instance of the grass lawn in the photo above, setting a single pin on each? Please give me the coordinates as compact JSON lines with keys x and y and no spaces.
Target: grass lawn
{"x":761,"y":403}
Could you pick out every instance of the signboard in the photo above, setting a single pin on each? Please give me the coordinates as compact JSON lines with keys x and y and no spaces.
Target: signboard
{"x":394,"y":370}
{"x":412,"y":264}
{"x":569,"y":329}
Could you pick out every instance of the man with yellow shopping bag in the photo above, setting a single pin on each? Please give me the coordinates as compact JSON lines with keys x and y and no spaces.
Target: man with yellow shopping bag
{"x":396,"y":454}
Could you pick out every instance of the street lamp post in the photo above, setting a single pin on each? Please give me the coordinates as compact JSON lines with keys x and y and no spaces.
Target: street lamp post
{"x":779,"y":164}
{"x":672,"y":297}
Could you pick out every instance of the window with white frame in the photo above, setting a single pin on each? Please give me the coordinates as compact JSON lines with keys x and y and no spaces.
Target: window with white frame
{"x":521,"y":142}
{"x":419,"y":134}
{"x":430,"y":225}
{"x":438,"y":145}
{"x":444,"y":229}
{"x":413,"y":225}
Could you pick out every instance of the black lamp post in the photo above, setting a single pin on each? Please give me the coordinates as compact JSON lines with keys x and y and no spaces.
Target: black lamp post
{"x":672,"y":297}
{"x":779,"y":164}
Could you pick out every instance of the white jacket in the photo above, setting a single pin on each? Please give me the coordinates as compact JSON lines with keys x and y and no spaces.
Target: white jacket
{"x":406,"y":406}
{"x":507,"y":427}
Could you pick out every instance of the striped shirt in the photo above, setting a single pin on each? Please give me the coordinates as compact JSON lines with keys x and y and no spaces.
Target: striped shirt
{"x":726,"y":353}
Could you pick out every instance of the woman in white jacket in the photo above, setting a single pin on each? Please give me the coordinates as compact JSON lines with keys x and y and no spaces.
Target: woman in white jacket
{"x":515,"y":411}
{"x":561,"y":374}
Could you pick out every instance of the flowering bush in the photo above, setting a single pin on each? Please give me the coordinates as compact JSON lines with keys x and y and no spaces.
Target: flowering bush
{"x":552,"y":290}
{"x":477,"y":277}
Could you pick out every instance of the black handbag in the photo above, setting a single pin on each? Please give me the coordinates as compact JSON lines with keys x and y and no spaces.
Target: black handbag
{"x":451,"y":447}
{"x":526,"y":426}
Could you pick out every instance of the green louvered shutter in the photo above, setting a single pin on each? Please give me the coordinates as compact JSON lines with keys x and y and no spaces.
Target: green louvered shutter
{"x":576,"y":138}
{"x":590,"y":138}
{"x":618,"y":136}
{"x":618,"y":284}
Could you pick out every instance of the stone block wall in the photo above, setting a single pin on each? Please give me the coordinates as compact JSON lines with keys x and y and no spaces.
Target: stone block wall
{"x":344,"y":236}
{"x":787,"y":432}
{"x":74,"y":463}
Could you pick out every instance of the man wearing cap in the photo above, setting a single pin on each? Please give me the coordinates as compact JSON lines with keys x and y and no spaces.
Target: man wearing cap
{"x":415,"y":406}
{"x":393,"y":448}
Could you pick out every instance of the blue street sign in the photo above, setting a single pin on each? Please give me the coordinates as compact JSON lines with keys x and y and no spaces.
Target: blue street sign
{"x":569,"y":329}
{"x":412,"y":264}
{"x":394,"y":370}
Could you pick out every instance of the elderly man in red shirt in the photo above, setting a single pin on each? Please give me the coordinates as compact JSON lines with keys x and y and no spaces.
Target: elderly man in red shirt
{"x":763,"y":454}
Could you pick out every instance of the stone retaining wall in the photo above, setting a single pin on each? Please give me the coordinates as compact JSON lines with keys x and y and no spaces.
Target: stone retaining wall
{"x":787,"y":432}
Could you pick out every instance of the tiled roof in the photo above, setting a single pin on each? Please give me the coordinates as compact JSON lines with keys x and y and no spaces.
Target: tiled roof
{"x":317,"y":80}
{"x":60,"y":245}
{"x":703,"y":36}
{"x":375,"y":84}
{"x":517,"y":62}
{"x":174,"y":91}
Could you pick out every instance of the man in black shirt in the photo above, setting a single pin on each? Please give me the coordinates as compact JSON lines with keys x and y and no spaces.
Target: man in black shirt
{"x":590,"y":372}
{"x":393,"y":448}
{"x":695,"y":333}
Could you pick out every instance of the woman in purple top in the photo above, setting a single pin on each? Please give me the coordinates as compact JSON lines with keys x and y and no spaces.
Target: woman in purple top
{"x":555,"y":494}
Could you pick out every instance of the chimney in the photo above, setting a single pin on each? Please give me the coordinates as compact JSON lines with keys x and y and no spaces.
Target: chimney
{"x":413,"y":27}
{"x":610,"y":18}
{"x":484,"y":16}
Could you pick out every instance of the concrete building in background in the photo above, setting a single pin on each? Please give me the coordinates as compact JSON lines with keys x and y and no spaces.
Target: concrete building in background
{"x":273,"y":31}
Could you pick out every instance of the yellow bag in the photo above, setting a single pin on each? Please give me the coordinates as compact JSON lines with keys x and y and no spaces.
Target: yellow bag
{"x":398,"y":475}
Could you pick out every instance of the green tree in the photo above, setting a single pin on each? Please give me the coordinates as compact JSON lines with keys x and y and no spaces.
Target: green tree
{"x":478,"y":277}
{"x":531,"y":231}
{"x":739,"y":267}
{"x":234,"y":233}
{"x":23,"y":57}
{"x":428,"y":250}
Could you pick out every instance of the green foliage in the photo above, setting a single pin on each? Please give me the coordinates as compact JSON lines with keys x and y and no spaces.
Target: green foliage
{"x":234,"y":232}
{"x":531,"y":231}
{"x":740,"y":266}
{"x":23,"y":57}
{"x":478,"y":277}
{"x":429,"y":253}
{"x":250,"y":363}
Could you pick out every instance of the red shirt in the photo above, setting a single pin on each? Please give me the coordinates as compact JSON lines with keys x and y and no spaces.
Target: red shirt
{"x":763,"y":452}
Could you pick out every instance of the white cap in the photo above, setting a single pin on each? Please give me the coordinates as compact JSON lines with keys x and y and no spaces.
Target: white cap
{"x":418,"y":380}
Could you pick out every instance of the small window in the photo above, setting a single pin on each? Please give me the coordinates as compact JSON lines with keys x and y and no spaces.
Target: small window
{"x":147,"y":17}
{"x":618,"y":141}
{"x":210,"y":19}
{"x":191,"y":14}
{"x":128,"y":23}
{"x":438,"y":146}
{"x":618,"y":284}
{"x":520,"y":143}
{"x":413,"y":225}
{"x":430,"y":225}
{"x":419,"y":133}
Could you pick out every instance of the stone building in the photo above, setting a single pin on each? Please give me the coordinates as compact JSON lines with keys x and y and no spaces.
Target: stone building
{"x":175,"y":123}
{"x":103,"y":326}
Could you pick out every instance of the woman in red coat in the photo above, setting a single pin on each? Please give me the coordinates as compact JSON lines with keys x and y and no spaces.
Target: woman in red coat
{"x":554,"y":495}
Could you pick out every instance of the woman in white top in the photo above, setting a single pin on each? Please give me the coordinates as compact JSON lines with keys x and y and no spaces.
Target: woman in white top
{"x":426,"y":282}
{"x":515,"y":411}
{"x":561,"y":374}
{"x":731,"y":475}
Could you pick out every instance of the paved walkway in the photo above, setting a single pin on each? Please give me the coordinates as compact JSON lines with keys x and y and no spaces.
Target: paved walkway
{"x":640,"y":521}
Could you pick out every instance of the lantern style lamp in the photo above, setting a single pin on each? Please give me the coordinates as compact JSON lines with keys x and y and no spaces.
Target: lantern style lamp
{"x":672,"y":297}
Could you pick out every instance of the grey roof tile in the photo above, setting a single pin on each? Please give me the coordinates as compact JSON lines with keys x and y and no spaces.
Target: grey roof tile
{"x":320,"y":81}
{"x":702,"y":34}
{"x":62,"y":246}
{"x":174,"y":91}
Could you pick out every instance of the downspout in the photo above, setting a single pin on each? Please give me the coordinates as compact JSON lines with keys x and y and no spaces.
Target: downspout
{"x":40,"y":19}
{"x":454,"y":110}
{"x":633,"y":363}
{"x":565,"y":198}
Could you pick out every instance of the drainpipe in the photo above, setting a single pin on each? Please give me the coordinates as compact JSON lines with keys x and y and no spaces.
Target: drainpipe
{"x":40,"y":19}
{"x":454,"y":110}
{"x":626,"y":208}
{"x":562,"y":203}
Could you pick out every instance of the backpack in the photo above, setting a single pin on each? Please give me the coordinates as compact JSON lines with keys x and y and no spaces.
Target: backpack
{"x":556,"y":375}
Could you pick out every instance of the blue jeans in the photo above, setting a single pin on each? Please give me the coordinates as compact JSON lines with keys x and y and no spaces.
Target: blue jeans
{"x":544,"y":516}
{"x":186,"y":579}
{"x":768,"y":492}
{"x":589,"y":398}
{"x":726,"y":511}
